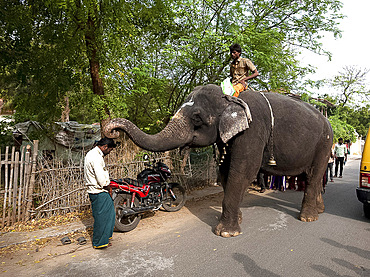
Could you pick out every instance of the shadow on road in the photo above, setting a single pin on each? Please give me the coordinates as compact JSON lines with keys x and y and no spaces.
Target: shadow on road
{"x":208,"y":209}
{"x":337,"y":199}
{"x":359,"y":270}
{"x":340,"y":199}
{"x":360,"y":252}
{"x":250,"y":266}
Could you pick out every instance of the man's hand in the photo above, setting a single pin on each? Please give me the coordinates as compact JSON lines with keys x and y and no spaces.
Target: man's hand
{"x":243,"y":83}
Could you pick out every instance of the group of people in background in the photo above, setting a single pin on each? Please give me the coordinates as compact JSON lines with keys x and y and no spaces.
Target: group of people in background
{"x":338,"y":158}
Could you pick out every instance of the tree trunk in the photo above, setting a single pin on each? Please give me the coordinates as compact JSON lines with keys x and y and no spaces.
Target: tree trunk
{"x":97,"y":82}
{"x":65,"y":112}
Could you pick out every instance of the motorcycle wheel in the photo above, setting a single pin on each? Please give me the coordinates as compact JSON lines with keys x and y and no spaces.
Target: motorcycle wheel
{"x":175,"y":201}
{"x":125,"y":223}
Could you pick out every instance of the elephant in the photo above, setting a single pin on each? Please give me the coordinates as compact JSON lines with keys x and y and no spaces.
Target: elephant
{"x":252,"y":132}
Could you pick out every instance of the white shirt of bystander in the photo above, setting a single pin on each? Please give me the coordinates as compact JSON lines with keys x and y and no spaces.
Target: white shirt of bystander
{"x":96,"y":176}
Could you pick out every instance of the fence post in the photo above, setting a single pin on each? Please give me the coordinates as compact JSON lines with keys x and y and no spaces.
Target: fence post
{"x":15,"y":186}
{"x":32,"y":180}
{"x":11,"y":189}
{"x":27,"y":172}
{"x":4,"y":204}
{"x":21,"y":184}
{"x":6,"y":184}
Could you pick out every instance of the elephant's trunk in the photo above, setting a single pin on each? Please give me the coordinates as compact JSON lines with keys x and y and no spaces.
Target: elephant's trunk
{"x":175,"y":134}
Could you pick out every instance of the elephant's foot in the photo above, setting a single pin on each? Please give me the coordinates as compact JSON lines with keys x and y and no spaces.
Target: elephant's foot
{"x":308,"y":214}
{"x":240,"y":217}
{"x":320,"y":204}
{"x":227,"y":232}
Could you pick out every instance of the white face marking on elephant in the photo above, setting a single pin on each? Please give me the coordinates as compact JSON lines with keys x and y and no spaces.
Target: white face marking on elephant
{"x":190,"y":103}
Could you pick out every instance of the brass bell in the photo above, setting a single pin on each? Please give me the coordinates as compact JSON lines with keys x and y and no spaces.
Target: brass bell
{"x":272,"y":161}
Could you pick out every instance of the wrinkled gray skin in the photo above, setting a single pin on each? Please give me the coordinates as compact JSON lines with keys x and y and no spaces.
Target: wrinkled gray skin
{"x":302,"y":138}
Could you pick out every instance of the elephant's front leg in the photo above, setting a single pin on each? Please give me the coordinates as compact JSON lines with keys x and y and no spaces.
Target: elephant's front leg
{"x":231,"y":215}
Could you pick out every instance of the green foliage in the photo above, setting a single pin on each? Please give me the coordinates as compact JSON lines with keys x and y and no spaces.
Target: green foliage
{"x":342,"y":129}
{"x":351,"y":85}
{"x":358,"y":117}
{"x":6,"y":132}
{"x":150,"y":54}
{"x":194,"y":50}
{"x":351,"y":102}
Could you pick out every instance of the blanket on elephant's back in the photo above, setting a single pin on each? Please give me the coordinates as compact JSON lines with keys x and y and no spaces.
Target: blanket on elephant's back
{"x":243,"y":124}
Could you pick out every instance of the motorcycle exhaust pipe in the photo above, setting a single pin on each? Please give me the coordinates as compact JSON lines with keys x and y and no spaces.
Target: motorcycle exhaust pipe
{"x":136,"y":210}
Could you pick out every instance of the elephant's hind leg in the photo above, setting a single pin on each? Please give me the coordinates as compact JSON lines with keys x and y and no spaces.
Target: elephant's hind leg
{"x":320,"y":204}
{"x":312,"y":203}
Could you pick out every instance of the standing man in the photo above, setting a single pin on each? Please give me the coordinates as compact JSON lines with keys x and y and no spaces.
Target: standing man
{"x":329,"y":170}
{"x":239,"y":70}
{"x":97,"y":182}
{"x":340,"y":154}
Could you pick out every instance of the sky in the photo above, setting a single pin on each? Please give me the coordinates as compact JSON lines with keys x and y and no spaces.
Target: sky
{"x":352,"y":49}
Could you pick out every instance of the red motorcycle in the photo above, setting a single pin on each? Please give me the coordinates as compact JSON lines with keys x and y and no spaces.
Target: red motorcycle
{"x":149,"y":192}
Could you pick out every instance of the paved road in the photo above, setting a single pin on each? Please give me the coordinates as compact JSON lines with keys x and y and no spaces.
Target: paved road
{"x":274,"y":242}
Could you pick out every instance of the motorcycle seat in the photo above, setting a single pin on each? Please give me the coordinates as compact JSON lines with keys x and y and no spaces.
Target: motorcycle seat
{"x":132,"y":182}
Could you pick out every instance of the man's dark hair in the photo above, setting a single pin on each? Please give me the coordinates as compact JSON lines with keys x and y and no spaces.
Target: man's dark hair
{"x":106,"y":141}
{"x":235,"y":47}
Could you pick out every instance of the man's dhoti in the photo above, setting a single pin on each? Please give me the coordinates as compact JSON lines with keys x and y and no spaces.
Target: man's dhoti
{"x":104,"y":218}
{"x":238,"y":89}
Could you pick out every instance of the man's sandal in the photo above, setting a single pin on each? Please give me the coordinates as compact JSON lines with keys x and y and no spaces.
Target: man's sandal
{"x":81,"y":241}
{"x":65,"y":240}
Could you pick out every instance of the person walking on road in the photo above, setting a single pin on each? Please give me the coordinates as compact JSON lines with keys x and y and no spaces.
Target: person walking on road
{"x":329,"y":170}
{"x":97,"y":182}
{"x":262,"y":179}
{"x":340,"y":155}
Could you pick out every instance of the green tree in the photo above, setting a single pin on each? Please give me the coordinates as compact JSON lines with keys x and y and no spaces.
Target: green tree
{"x":64,"y":48}
{"x":357,"y":117}
{"x":351,"y":106}
{"x":6,"y":132}
{"x":342,"y":129}
{"x":141,"y":59}
{"x":351,"y":85}
{"x":195,"y":50}
{"x":39,"y":63}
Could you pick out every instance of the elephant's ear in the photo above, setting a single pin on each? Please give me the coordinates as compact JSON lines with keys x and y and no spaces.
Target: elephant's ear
{"x":234,"y":119}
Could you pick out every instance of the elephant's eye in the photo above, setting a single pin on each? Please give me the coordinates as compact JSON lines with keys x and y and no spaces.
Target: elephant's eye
{"x":197,"y":120}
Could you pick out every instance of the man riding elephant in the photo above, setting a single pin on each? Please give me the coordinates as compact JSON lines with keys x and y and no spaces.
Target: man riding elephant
{"x":239,"y":70}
